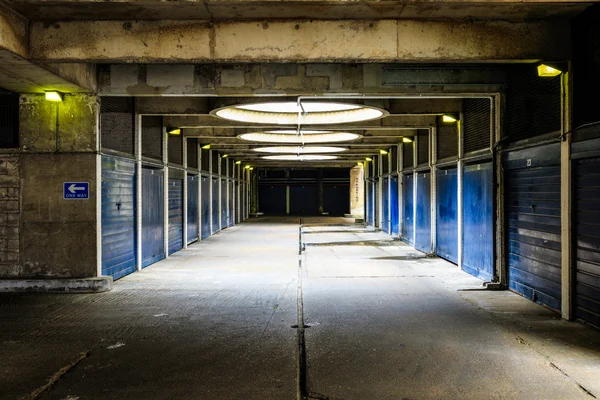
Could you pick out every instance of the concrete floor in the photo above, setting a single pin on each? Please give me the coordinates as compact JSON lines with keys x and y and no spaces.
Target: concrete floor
{"x":215,"y":322}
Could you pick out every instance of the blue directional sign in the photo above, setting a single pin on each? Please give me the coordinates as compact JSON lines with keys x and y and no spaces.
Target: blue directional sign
{"x":76,"y":190}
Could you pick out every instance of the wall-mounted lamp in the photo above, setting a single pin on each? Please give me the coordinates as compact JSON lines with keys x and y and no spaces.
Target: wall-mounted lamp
{"x":548,"y":71}
{"x":407,"y":140}
{"x":250,"y":169}
{"x":206,"y":147}
{"x":247,"y":167}
{"x":383,"y":152}
{"x":238,"y":162}
{"x":225,"y":156}
{"x":172,"y":130}
{"x":448,"y":118}
{"x":368,"y":159}
{"x":53,"y":95}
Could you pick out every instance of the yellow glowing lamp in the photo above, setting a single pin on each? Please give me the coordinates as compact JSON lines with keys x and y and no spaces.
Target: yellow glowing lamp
{"x":368,"y":159}
{"x":225,"y":156}
{"x":206,"y":147}
{"x":407,"y":140}
{"x":238,"y":162}
{"x":383,"y":152}
{"x":359,"y":164}
{"x":250,"y":169}
{"x":54,"y":96}
{"x":171,"y":130}
{"x":247,"y":167}
{"x":547,"y":71}
{"x":448,"y":118}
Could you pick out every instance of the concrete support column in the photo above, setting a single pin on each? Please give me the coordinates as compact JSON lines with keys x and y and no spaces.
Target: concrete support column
{"x":200,"y":194}
{"x":210,"y":191}
{"x":320,"y":190}
{"x":45,"y":235}
{"x":379,"y":178}
{"x":220,"y":190}
{"x":357,"y":192}
{"x":500,"y":259}
{"x":138,"y":190}
{"x":433,"y":171}
{"x":566,"y":203}
{"x":459,"y":204}
{"x":400,"y":189}
{"x":253,"y":178}
{"x":165,"y":136}
{"x":185,"y":194}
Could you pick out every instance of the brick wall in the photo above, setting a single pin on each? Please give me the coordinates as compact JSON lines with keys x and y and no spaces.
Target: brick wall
{"x":9,"y":215}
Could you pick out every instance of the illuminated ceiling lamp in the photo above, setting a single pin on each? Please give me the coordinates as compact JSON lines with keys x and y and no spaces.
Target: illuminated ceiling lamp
{"x":406,"y":140}
{"x":383,"y":152}
{"x":300,"y":150}
{"x":172,"y":130}
{"x":291,"y":136}
{"x":548,"y":71}
{"x":296,"y":157}
{"x":449,"y":118}
{"x":305,"y":113}
{"x":367,"y":159}
{"x":53,"y":95}
{"x":206,"y":147}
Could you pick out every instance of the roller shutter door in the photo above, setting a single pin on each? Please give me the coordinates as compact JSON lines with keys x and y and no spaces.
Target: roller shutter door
{"x":385,"y":204}
{"x":153,"y":216}
{"x":175,"y":215}
{"x":447,"y":214}
{"x":408,"y":229}
{"x":394,"y":207}
{"x":423,"y":212}
{"x":215,"y":206}
{"x":205,"y":207}
{"x":192,"y":208}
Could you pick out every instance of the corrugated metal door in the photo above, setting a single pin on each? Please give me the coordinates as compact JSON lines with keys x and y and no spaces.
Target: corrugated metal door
{"x":587,"y":241}
{"x":376,"y":204}
{"x":408,"y":231}
{"x":385,"y":204}
{"x":224,"y":205}
{"x":153,"y":216}
{"x":192,"y":208}
{"x":533,"y":218}
{"x":447,"y":214}
{"x":423,"y":213}
{"x":175,"y":215}
{"x":205,"y":207}
{"x":303,"y":199}
{"x":231,"y":204}
{"x":370,"y":200}
{"x":478,"y":220}
{"x":394,"y":210}
{"x":215,"y":206}
{"x":118,"y":217}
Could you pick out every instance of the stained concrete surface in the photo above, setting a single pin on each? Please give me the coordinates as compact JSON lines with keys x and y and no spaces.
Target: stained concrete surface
{"x":213,"y":322}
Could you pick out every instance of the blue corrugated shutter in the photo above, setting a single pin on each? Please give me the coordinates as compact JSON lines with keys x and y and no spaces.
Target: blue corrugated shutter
{"x":153,"y":216}
{"x":215,"y":206}
{"x":370,"y":200}
{"x":587,"y":241}
{"x":408,"y":206}
{"x":205,"y":208}
{"x":175,"y":215}
{"x":231,"y":204}
{"x":447,"y":214}
{"x":385,"y":215}
{"x":224,"y":205}
{"x":423,"y":213}
{"x":118,"y":217}
{"x":192,"y":208}
{"x":394,"y":211}
{"x":533,"y":219}
{"x":478,"y":221}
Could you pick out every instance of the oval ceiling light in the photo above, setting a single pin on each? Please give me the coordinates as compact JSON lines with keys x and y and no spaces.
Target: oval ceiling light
{"x":300,"y":150}
{"x":291,"y":136}
{"x":295,"y":157}
{"x":310,"y":113}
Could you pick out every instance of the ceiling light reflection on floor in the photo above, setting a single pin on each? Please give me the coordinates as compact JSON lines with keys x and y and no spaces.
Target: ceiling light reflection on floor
{"x":295,"y":157}
{"x":291,"y":136}
{"x":290,"y":113}
{"x":300,"y":150}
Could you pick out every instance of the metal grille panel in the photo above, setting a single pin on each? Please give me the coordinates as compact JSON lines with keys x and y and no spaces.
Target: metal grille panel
{"x":423,"y":147}
{"x":117,"y":124}
{"x":192,"y":153}
{"x":477,"y":115}
{"x":447,"y":140}
{"x":9,"y":120}
{"x":152,"y":137}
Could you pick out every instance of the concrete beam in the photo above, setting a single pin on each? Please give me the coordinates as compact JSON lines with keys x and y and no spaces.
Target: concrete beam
{"x":299,"y":41}
{"x":14,"y":35}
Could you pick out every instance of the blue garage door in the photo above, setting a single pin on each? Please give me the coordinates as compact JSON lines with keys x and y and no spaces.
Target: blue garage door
{"x":205,"y":207}
{"x":385,"y":204}
{"x":370,"y":203}
{"x":394,"y":207}
{"x":446,"y":232}
{"x":478,"y":221}
{"x":423,"y":213}
{"x":231,"y":204}
{"x":175,"y":215}
{"x":408,"y":189}
{"x":215,"y":206}
{"x":192,"y":208}
{"x":153,"y":216}
{"x":587,"y":241}
{"x":118,"y":217}
{"x":533,"y":218}
{"x":224,"y":205}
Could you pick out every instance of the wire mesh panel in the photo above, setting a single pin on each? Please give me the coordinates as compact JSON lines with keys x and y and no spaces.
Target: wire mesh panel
{"x":192,"y":153}
{"x":408,"y":155}
{"x":9,"y":120}
{"x":117,"y":124}
{"x":477,"y":119}
{"x":423,"y":147}
{"x":176,"y":149}
{"x":152,"y":137}
{"x":447,"y":140}
{"x":533,"y":105}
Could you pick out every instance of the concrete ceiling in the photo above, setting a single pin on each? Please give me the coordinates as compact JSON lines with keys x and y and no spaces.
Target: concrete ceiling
{"x":219,"y":10}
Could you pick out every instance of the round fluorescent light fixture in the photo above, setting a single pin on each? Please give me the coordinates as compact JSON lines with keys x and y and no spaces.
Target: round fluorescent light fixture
{"x":291,"y":136}
{"x":295,"y":157}
{"x":300,"y":150}
{"x":290,"y":113}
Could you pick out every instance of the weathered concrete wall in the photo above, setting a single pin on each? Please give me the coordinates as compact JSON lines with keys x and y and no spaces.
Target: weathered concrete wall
{"x":59,"y":141}
{"x":298,"y":41}
{"x":9,"y":215}
{"x":357,"y":192}
{"x":14,"y":34}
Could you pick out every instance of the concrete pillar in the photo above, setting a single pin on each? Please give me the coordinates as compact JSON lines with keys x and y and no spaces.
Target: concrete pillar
{"x":357,"y":192}
{"x":44,"y":235}
{"x":566,"y":201}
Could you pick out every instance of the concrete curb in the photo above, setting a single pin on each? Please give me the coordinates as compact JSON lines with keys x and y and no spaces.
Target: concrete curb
{"x":82,"y":285}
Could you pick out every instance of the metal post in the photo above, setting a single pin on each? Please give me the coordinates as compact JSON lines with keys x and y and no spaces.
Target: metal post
{"x":185,"y":193}
{"x":98,"y":192}
{"x":566,"y":203}
{"x":415,"y":194}
{"x":433,"y":186}
{"x":138,"y":190}
{"x":227,"y":195}
{"x":459,"y":204}
{"x":400,"y":189}
{"x":200,"y":194}
{"x":380,"y":192}
{"x":210,"y":192}
{"x":500,"y":258}
{"x":220,"y":191}
{"x":166,"y":190}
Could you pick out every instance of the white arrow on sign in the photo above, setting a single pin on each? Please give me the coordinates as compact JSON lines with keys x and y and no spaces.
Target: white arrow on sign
{"x":74,"y":188}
